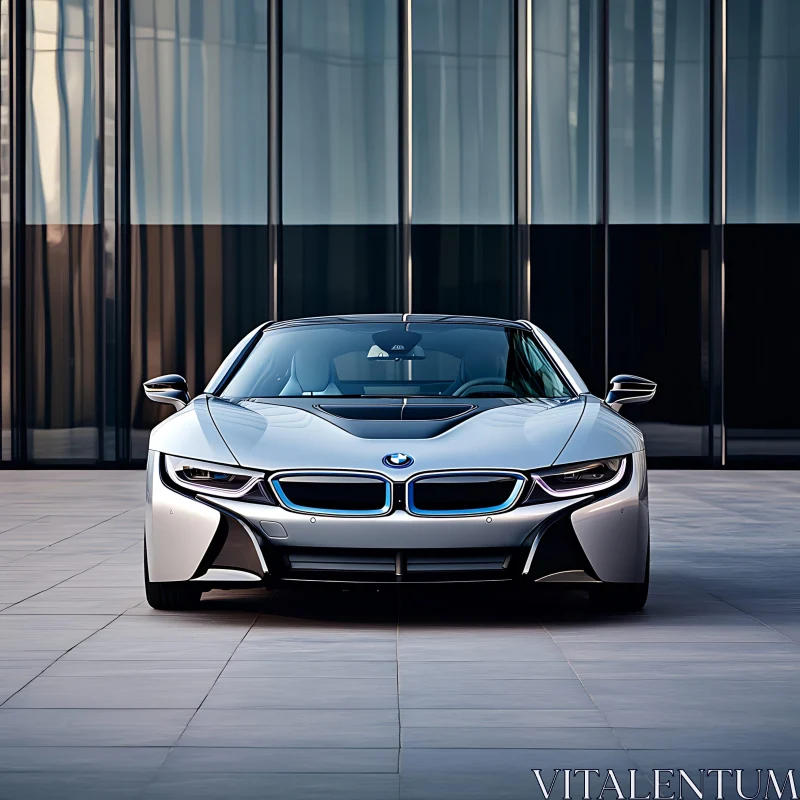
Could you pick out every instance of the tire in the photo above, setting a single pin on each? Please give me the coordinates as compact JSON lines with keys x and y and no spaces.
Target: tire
{"x":626,"y":596}
{"x":173,"y":596}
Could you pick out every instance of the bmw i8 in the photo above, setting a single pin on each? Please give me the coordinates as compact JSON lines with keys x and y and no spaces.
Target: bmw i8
{"x":396,"y":449}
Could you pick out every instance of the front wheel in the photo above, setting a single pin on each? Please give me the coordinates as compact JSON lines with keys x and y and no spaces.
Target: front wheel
{"x":173,"y":596}
{"x":626,"y":596}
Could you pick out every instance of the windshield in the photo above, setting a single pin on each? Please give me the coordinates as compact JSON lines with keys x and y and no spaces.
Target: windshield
{"x":396,"y":359}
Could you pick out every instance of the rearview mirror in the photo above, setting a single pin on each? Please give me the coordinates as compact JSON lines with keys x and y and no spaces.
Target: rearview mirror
{"x":396,"y":345}
{"x":629,"y":389}
{"x":414,"y":354}
{"x":170,"y":389}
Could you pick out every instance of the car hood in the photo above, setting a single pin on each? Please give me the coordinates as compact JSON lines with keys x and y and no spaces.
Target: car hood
{"x":301,"y":435}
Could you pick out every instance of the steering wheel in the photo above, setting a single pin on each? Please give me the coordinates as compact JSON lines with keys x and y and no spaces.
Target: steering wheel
{"x":497,"y":384}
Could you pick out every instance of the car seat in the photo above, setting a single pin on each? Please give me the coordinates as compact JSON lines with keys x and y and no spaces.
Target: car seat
{"x":312,"y":373}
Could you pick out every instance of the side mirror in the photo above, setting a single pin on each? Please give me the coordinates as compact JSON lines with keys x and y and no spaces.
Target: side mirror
{"x":629,"y":389}
{"x":170,"y":389}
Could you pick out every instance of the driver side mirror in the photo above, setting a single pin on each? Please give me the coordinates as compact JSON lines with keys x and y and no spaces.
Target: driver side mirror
{"x":170,"y":389}
{"x":629,"y":389}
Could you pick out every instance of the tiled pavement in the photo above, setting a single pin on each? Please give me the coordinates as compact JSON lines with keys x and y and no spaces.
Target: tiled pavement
{"x":353,"y":695}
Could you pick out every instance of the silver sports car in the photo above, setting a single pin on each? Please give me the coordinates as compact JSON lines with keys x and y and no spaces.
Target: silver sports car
{"x":394,"y":449}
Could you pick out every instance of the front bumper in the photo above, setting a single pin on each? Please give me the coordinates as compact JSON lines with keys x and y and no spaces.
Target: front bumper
{"x":224,"y":542}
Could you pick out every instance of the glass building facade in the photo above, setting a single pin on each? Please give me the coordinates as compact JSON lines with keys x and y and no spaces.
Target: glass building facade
{"x":625,"y":173}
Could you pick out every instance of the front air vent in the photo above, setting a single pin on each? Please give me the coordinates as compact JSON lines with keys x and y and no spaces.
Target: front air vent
{"x":459,"y":493}
{"x":333,"y":493}
{"x":403,"y":566}
{"x":490,"y":561}
{"x":346,"y":562}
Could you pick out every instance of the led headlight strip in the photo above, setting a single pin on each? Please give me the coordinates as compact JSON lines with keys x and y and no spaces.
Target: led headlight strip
{"x":573,"y":480}
{"x":221,"y":480}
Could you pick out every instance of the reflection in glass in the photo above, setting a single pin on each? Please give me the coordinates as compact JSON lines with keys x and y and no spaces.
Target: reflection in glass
{"x":656,"y":324}
{"x":761,"y":340}
{"x":196,"y":291}
{"x":62,"y":342}
{"x":340,"y":112}
{"x":199,"y":112}
{"x":61,"y":144}
{"x":567,"y":294}
{"x":658,"y":111}
{"x":462,"y":269}
{"x":566,"y":112}
{"x":61,"y":268}
{"x":337,"y":269}
{"x":763,"y":137}
{"x":462,"y":111}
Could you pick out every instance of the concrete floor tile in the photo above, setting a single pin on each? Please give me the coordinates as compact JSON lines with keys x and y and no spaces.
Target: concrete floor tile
{"x":12,"y":680}
{"x":282,"y":759}
{"x":179,"y":690}
{"x":120,"y":785}
{"x":708,"y":735}
{"x":292,"y":728}
{"x":706,"y":668}
{"x":240,"y":668}
{"x":448,"y":674}
{"x":540,"y":648}
{"x":502,"y":718}
{"x":566,"y":738}
{"x":33,"y":640}
{"x":45,"y":624}
{"x":303,"y":693}
{"x":316,"y":651}
{"x":65,"y":668}
{"x":33,"y":727}
{"x":507,"y":761}
{"x":81,"y":759}
{"x":274,"y":787}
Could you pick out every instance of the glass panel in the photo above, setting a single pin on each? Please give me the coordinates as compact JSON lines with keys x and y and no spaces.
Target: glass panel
{"x":62,"y":271}
{"x":762,"y":348}
{"x":658,"y":328}
{"x":763,"y":136}
{"x":462,"y":111}
{"x":62,"y":342}
{"x":340,"y":112}
{"x":566,"y":113}
{"x":337,"y":269}
{"x":6,"y":329}
{"x":462,"y":269}
{"x":199,"y":112}
{"x":196,"y":291}
{"x":61,"y":143}
{"x":659,"y":111}
{"x":567,"y":294}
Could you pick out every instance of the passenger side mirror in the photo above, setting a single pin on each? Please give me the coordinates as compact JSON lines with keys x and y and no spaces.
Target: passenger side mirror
{"x":629,"y":389}
{"x":170,"y":389}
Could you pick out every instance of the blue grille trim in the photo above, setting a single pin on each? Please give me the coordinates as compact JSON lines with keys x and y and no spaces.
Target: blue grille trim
{"x":471,"y":512}
{"x":274,"y":482}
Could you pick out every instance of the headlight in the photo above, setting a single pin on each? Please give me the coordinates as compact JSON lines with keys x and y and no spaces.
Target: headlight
{"x":217,"y":479}
{"x":588,"y":476}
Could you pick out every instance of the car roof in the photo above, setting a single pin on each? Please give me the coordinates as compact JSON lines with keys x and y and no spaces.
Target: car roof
{"x":438,"y":318}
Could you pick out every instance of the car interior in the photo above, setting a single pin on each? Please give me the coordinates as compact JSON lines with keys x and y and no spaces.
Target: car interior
{"x":359,"y":361}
